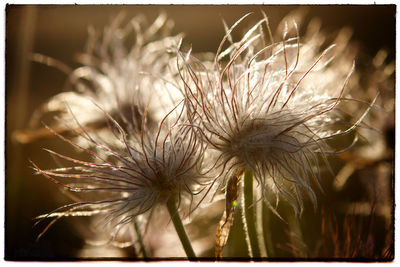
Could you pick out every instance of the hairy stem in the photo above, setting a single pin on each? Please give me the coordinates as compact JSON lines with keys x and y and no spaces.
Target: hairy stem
{"x":140,"y":239}
{"x":180,"y":230}
{"x":266,"y":217}
{"x":249,"y":214}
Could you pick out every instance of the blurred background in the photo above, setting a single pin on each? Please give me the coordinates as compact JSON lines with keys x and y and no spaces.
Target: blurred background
{"x":354,"y":218}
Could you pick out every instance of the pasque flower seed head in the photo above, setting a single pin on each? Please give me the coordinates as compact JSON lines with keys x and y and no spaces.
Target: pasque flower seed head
{"x":149,"y":168}
{"x":121,"y":72}
{"x":269,"y":108}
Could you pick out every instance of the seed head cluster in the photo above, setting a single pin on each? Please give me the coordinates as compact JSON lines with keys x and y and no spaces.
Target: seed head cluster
{"x":159,"y":125}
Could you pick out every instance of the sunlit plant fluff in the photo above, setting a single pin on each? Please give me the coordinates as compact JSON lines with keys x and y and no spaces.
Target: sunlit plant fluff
{"x":270,"y":108}
{"x":131,"y":179}
{"x":121,"y":70}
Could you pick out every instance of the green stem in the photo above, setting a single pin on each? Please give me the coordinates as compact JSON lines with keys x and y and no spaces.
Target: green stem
{"x":180,"y":230}
{"x":266,"y":217}
{"x":249,"y":214}
{"x":140,"y":239}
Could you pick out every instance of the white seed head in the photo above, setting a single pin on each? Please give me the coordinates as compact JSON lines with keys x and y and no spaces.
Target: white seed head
{"x":270,"y":108}
{"x":131,"y":178}
{"x":123,"y":72}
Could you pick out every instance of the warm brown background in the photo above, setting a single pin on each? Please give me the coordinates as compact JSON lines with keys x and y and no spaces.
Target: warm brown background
{"x":60,"y":32}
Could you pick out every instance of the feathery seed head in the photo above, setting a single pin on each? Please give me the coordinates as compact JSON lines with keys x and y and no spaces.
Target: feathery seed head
{"x":269,"y":108}
{"x":132,"y":178}
{"x":122,"y":71}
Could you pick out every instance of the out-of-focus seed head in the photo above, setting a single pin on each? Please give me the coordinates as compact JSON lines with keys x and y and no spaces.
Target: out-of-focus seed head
{"x":122,"y":71}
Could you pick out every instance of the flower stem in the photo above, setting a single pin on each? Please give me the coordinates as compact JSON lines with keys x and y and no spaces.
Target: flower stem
{"x":140,"y":239}
{"x":266,"y":218}
{"x":180,"y":230}
{"x":249,"y":214}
